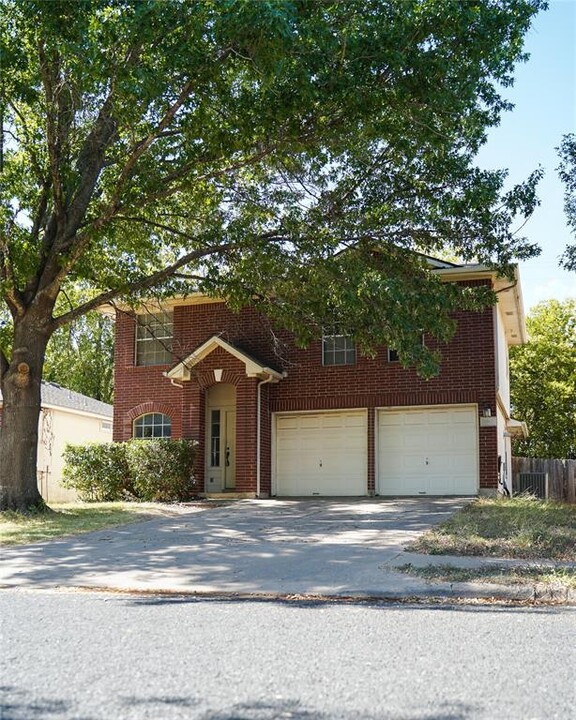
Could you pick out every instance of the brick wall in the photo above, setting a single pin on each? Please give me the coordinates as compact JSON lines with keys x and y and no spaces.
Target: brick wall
{"x":467,"y":377}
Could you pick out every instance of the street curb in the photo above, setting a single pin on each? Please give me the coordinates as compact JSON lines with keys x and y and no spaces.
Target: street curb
{"x":460,"y":594}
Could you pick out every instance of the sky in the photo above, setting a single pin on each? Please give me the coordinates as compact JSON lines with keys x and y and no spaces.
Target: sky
{"x":544,"y":95}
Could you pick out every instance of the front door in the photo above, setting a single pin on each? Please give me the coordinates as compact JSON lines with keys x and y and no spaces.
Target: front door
{"x":221,"y":438}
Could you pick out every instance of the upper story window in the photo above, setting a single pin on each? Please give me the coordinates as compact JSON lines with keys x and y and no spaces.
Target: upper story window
{"x":154,"y":338}
{"x":338,"y":350}
{"x":152,"y":425}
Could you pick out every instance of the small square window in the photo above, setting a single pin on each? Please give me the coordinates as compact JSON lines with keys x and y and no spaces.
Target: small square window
{"x":338,"y":350}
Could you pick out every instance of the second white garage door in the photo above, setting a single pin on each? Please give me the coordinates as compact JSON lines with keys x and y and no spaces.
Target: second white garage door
{"x":321,"y":453}
{"x":428,"y":451}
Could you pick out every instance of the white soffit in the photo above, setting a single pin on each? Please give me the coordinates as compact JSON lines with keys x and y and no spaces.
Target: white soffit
{"x":508,"y":292}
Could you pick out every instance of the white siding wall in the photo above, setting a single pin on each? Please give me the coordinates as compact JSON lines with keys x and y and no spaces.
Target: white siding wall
{"x":58,"y":427}
{"x":505,"y":452}
{"x":502,"y":371}
{"x":503,"y":389}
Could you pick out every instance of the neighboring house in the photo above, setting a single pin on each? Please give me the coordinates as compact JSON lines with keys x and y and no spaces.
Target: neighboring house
{"x":323,"y":420}
{"x":66,"y":417}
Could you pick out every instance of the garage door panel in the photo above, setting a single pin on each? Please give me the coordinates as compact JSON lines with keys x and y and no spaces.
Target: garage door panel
{"x":355,"y":421}
{"x":428,"y":451}
{"x":326,"y":454}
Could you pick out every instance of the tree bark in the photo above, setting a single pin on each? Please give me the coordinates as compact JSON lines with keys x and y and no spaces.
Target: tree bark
{"x":21,"y":386}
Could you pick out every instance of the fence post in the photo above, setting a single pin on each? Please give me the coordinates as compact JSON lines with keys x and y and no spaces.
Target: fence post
{"x":571,"y":481}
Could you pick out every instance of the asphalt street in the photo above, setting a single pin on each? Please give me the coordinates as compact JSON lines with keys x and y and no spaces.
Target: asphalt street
{"x":84,"y":656}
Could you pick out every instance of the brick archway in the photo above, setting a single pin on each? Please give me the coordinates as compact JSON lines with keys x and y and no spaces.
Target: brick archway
{"x":144,"y":409}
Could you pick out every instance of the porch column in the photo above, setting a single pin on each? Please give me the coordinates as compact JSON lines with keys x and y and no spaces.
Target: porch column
{"x":246,"y":419}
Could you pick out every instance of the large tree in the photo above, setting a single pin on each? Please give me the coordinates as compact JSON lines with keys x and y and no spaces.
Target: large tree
{"x":238,"y":147}
{"x":543,"y":381}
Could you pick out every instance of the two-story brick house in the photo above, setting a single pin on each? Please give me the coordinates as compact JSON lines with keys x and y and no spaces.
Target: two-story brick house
{"x":322,"y":420}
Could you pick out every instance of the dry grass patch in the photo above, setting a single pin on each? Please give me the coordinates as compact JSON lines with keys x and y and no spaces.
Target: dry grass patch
{"x":73,"y":519}
{"x":498,"y":575}
{"x":521,"y":527}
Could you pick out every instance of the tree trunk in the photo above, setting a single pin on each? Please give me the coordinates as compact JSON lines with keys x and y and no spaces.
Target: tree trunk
{"x":21,"y":383}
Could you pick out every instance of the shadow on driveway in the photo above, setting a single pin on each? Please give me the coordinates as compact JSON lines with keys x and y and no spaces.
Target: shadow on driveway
{"x":285,"y":545}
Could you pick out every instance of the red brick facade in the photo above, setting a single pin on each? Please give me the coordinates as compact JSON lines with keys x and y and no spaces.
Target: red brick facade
{"x":467,"y":377}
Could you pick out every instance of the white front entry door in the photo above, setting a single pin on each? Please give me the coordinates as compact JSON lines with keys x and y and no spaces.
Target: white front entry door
{"x":428,"y":451}
{"x":220,"y":458}
{"x":321,"y":453}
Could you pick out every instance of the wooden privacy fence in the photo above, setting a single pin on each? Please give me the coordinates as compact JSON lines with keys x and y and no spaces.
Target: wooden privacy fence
{"x":561,"y":475}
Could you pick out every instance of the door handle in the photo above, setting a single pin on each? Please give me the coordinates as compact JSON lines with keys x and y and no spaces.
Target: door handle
{"x":227,"y":457}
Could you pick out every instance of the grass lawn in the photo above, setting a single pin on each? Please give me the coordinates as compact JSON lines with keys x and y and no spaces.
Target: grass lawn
{"x":73,"y":519}
{"x":520,"y":527}
{"x":497,"y":575}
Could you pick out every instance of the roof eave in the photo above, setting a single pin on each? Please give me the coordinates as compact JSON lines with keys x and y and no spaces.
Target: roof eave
{"x":182,"y":371}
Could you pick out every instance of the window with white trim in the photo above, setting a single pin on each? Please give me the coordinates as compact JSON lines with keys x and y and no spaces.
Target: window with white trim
{"x":154,"y":338}
{"x":338,"y":350}
{"x":152,"y":425}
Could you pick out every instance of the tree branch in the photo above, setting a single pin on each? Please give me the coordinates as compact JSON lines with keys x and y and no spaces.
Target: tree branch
{"x":90,"y":163}
{"x":151,"y":223}
{"x":35,"y":162}
{"x":51,"y":129}
{"x":11,"y":293}
{"x":161,"y":128}
{"x":145,"y":283}
{"x":4,"y":363}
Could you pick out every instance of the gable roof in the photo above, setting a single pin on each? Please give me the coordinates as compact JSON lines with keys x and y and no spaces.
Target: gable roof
{"x":56,"y":396}
{"x":254,"y":367}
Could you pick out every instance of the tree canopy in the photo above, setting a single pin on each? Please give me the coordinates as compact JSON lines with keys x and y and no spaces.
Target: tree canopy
{"x":290,"y":155}
{"x":80,"y":356}
{"x":543,"y":381}
{"x":567,"y":170}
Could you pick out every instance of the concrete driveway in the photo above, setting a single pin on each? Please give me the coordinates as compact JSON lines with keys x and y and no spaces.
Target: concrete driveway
{"x":336,"y":547}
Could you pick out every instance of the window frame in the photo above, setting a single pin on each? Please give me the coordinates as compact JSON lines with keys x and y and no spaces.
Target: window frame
{"x":152,"y":436}
{"x":215,"y":437}
{"x":146,"y":332}
{"x":348,"y":351}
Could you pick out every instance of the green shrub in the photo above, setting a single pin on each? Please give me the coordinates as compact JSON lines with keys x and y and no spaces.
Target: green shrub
{"x":162,"y":470}
{"x":98,"y":472}
{"x":156,"y":470}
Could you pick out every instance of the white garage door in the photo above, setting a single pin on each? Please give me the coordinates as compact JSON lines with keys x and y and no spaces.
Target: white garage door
{"x":429,"y":451}
{"x":321,"y":454}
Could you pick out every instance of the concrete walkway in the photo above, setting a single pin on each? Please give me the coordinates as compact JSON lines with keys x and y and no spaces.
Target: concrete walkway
{"x":276,"y":547}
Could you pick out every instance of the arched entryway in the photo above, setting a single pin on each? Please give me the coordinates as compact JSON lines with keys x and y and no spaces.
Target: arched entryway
{"x":220,"y":460}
